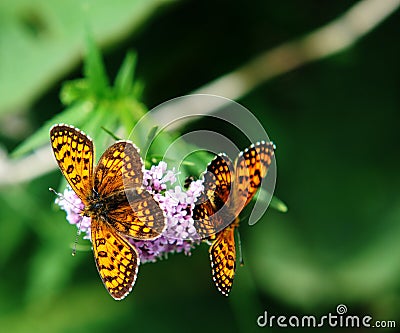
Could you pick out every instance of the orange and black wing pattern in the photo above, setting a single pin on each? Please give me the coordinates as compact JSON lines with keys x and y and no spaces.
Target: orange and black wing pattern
{"x":223,"y":259}
{"x":231,"y":190}
{"x":116,"y":259}
{"x":131,"y":209}
{"x":74,"y":154}
{"x":208,"y":219}
{"x":218,"y":179}
{"x":135,"y":213}
{"x":127,"y":209}
{"x":119,"y":168}
{"x":251,"y":168}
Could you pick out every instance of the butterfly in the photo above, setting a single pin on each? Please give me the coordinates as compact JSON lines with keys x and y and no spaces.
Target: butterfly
{"x":114,"y":199}
{"x":228,"y":188}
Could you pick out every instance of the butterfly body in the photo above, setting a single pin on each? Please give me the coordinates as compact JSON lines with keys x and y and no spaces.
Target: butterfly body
{"x":229,"y":187}
{"x":95,"y":207}
{"x":114,"y":199}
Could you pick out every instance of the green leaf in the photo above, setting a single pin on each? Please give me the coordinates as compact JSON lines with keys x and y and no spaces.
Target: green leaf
{"x":151,"y":135}
{"x":45,"y":41}
{"x":110,"y":133}
{"x":75,"y":91}
{"x":94,"y":69}
{"x":278,"y":204}
{"x":137,"y":90}
{"x":130,"y":111}
{"x":274,"y":202}
{"x":124,"y":81}
{"x":101,"y":116}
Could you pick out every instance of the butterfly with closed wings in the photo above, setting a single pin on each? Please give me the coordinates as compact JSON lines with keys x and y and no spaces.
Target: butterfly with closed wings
{"x":228,"y":188}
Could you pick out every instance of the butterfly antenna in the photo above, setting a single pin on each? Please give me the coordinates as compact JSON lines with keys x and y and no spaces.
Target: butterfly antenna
{"x":78,"y":233}
{"x":241,"y":261}
{"x":56,"y":193}
{"x":59,"y":195}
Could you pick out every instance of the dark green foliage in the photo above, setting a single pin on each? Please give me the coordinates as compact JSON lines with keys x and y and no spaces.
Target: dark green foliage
{"x":335,"y":124}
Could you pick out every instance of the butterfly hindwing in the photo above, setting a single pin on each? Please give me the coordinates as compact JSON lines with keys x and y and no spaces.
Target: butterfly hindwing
{"x":203,"y":219}
{"x":116,"y":259}
{"x":223,"y":259}
{"x":136,"y":213}
{"x":74,"y":152}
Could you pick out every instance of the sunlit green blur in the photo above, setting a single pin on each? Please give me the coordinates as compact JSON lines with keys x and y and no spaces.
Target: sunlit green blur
{"x":335,"y":123}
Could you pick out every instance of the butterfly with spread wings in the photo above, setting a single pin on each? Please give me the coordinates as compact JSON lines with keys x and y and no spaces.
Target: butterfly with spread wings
{"x":228,"y":188}
{"x":114,"y":199}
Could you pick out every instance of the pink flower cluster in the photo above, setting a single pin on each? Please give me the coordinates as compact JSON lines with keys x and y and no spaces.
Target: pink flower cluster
{"x":177,"y":204}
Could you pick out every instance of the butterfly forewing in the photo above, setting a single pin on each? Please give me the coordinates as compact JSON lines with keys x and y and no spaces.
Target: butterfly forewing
{"x":74,"y":152}
{"x":210,"y":213}
{"x":120,"y":167}
{"x":116,"y":259}
{"x":218,"y":178}
{"x":251,"y":168}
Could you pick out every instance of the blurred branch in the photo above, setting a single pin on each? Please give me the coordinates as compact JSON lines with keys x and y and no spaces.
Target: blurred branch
{"x":328,"y":40}
{"x":332,"y":38}
{"x":24,"y":169}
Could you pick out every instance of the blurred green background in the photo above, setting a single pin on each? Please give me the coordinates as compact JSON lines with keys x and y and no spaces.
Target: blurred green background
{"x":335,"y":122}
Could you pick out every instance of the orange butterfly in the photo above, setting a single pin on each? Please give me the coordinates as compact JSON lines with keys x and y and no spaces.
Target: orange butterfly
{"x":228,"y":188}
{"x":114,"y":199}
